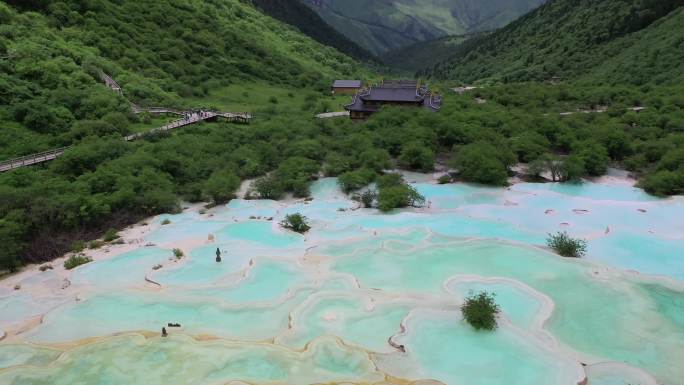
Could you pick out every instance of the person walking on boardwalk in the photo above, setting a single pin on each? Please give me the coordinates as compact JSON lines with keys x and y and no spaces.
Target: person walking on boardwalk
{"x":164,"y":333}
{"x":218,"y":255}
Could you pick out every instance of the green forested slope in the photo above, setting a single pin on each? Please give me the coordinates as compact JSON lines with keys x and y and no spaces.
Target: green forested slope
{"x":171,"y":53}
{"x":382,"y":26}
{"x":573,"y":39}
{"x":225,"y":54}
{"x":303,"y":18}
{"x":160,"y":52}
{"x":419,"y":56}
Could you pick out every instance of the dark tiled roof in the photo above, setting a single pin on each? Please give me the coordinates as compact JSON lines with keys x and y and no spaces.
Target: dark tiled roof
{"x":358,"y":105}
{"x":387,"y":94}
{"x":347,"y":84}
{"x":399,"y":83}
{"x":394,"y":92}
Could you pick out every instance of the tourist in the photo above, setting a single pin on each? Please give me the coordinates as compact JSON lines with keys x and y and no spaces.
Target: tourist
{"x":218,"y":255}
{"x":164,"y":333}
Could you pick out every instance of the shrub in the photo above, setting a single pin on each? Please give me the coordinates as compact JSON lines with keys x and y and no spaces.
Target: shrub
{"x":594,"y":156}
{"x":110,"y":235}
{"x":368,"y":197}
{"x":480,"y":311}
{"x":444,"y":179}
{"x":268,"y":188}
{"x":221,"y":186}
{"x":483,"y":163}
{"x":296,"y":222}
{"x":95,"y":244}
{"x":416,"y":156}
{"x":354,"y":180}
{"x":76,"y":260}
{"x":178,"y":253}
{"x":78,"y":246}
{"x":166,"y":221}
{"x":566,"y":246}
{"x":395,"y":193}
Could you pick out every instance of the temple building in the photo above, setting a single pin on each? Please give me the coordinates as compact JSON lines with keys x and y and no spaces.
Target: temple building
{"x":394,"y":92}
{"x":346,"y":87}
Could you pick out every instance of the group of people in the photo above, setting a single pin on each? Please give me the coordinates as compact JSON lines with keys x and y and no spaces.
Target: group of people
{"x":195,"y":115}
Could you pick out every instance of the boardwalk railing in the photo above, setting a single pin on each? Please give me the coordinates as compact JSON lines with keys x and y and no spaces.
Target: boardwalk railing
{"x":31,"y":159}
{"x":111,"y":83}
{"x":156,"y":110}
{"x":189,"y":117}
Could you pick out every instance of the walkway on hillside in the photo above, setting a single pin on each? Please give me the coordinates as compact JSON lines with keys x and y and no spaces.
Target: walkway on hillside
{"x":327,"y":115}
{"x":189,"y":117}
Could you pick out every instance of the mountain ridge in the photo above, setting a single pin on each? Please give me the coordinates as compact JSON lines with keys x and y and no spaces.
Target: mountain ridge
{"x":382,"y":26}
{"x":311,"y":24}
{"x":561,"y":39}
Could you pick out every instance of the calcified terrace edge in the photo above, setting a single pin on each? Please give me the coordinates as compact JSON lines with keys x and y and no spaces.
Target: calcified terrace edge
{"x":133,"y":237}
{"x":538,"y":336}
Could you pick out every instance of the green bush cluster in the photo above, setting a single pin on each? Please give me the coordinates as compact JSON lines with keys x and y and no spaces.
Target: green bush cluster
{"x":567,"y":246}
{"x":76,"y":260}
{"x":394,"y":192}
{"x":178,"y":253}
{"x":110,"y":235}
{"x":296,"y":222}
{"x":480,"y":311}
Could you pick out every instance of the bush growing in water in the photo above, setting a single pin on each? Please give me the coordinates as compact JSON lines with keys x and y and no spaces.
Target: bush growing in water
{"x":296,"y":222}
{"x":166,"y":221}
{"x":178,"y":253}
{"x":480,"y":311}
{"x":76,"y":260}
{"x":566,"y":246}
{"x":395,"y":193}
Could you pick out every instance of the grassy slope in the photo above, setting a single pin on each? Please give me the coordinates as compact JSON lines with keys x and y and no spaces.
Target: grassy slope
{"x":173,"y":53}
{"x":163,"y":54}
{"x":568,"y":38}
{"x":381,"y":26}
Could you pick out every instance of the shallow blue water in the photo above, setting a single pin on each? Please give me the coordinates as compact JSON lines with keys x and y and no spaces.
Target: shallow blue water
{"x":357,"y":278}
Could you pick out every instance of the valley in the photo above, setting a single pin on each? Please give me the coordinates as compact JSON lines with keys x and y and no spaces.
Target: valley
{"x":399,"y":192}
{"x":382,"y":26}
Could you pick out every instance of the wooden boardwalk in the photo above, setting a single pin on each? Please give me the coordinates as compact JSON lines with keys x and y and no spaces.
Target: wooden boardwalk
{"x":189,"y":118}
{"x":111,"y":83}
{"x":155,"y":110}
{"x":32,"y":159}
{"x":328,"y":115}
